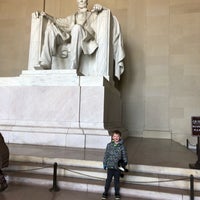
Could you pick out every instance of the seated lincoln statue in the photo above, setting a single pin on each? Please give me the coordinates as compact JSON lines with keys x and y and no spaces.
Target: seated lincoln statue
{"x":88,"y":41}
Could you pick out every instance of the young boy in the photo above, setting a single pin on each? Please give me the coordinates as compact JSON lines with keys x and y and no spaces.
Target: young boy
{"x":115,"y":151}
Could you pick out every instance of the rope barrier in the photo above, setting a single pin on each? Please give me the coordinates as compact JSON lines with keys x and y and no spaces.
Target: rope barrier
{"x":163,"y":181}
{"x":24,"y":170}
{"x":133,"y":182}
{"x":75,"y":172}
{"x":99,"y":178}
{"x":56,"y":188}
{"x":197,"y":179}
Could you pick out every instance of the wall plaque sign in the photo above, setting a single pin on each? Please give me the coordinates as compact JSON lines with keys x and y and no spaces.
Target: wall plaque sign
{"x":196,"y":126}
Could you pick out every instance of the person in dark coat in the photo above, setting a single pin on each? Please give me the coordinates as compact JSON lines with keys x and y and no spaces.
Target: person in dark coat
{"x":4,"y":162}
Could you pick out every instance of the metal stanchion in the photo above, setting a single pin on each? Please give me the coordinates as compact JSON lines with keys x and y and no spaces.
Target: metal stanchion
{"x":55,"y":188}
{"x":191,"y":187}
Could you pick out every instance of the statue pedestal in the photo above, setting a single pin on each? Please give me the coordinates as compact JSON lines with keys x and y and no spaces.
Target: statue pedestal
{"x":59,"y":108}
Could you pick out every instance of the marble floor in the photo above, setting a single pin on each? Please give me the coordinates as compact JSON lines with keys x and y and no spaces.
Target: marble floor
{"x":143,"y":151}
{"x":157,"y":152}
{"x":27,"y":192}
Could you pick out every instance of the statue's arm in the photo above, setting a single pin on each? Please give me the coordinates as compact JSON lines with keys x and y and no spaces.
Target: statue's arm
{"x":64,"y":24}
{"x":49,"y":17}
{"x":44,"y":14}
{"x":94,"y":13}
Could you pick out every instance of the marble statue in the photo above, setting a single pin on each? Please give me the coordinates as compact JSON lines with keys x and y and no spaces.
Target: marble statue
{"x":66,"y":41}
{"x":69,"y":88}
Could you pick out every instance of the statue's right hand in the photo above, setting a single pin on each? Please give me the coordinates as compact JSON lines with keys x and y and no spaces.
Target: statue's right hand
{"x":97,"y":8}
{"x":42,"y":13}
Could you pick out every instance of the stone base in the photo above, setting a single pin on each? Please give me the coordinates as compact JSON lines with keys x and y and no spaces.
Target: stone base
{"x":157,"y":134}
{"x":65,"y":137}
{"x":79,"y":138}
{"x":60,"y":108}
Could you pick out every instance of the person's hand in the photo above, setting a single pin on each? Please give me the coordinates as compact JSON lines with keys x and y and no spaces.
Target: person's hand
{"x":104,"y":167}
{"x":97,"y":8}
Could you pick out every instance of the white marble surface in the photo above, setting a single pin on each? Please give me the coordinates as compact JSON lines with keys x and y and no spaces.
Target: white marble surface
{"x":38,"y":138}
{"x":108,"y":39}
{"x":75,"y":140}
{"x":50,"y":77}
{"x":43,"y":104}
{"x":59,"y":108}
{"x":97,"y":141}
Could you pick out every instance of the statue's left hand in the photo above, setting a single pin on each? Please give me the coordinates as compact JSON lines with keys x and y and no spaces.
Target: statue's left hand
{"x":38,"y":14}
{"x":97,"y":8}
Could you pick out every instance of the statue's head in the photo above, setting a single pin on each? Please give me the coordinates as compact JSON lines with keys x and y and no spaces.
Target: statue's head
{"x":82,"y":4}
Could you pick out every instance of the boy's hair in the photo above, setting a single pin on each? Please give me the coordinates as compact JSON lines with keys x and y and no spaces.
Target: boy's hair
{"x":117,"y":132}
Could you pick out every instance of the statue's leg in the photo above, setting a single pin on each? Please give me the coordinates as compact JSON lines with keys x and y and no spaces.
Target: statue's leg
{"x":77,"y":35}
{"x":49,"y":47}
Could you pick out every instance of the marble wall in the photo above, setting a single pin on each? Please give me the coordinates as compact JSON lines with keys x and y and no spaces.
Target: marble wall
{"x":159,"y":88}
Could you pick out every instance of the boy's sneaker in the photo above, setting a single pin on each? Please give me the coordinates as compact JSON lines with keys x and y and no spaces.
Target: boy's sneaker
{"x":117,"y":197}
{"x":104,"y":196}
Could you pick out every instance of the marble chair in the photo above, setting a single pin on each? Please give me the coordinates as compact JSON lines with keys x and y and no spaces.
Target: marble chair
{"x":100,"y":63}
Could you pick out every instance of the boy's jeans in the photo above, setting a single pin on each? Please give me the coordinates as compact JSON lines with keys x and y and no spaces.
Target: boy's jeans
{"x":110,"y":174}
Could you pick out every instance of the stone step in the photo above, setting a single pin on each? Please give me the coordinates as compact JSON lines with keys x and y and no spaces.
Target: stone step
{"x":82,"y":170}
{"x":132,"y":177}
{"x":177,"y":171}
{"x":97,"y":186}
{"x":133,"y":182}
{"x":156,"y":170}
